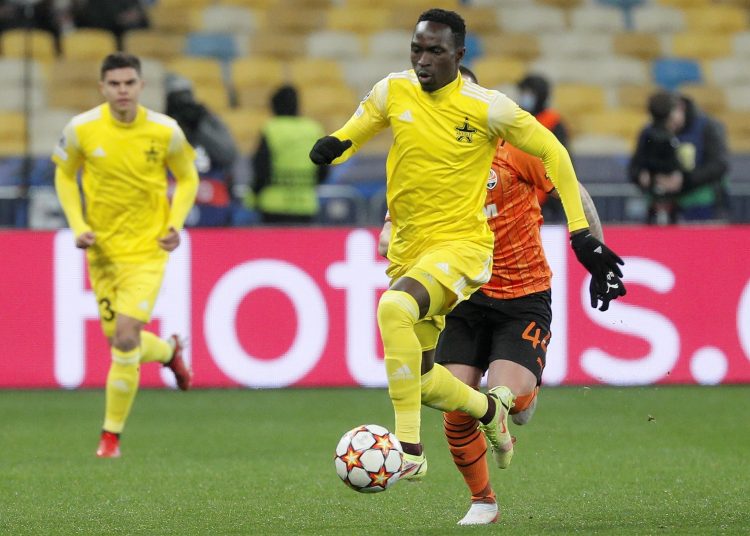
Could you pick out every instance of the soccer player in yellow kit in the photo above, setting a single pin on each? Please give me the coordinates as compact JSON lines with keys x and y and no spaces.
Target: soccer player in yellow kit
{"x":127,"y":227}
{"x":445,"y":132}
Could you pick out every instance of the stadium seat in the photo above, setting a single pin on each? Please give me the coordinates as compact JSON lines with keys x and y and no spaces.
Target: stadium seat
{"x":701,"y":45}
{"x":530,"y":18}
{"x":214,"y":96}
{"x":221,"y":46}
{"x":203,"y":71}
{"x":13,"y":45}
{"x":640,"y":45}
{"x":709,"y":98}
{"x":741,"y":44}
{"x":154,"y":44}
{"x":46,"y":126}
{"x":334,"y":44}
{"x":623,"y":123}
{"x":12,"y":127}
{"x":174,"y":19}
{"x":13,"y":71}
{"x":492,"y":71}
{"x":658,"y":19}
{"x":299,"y":20}
{"x":576,"y":44}
{"x":737,"y":125}
{"x":256,"y":71}
{"x":738,"y":97}
{"x":572,"y":100}
{"x":341,"y":204}
{"x":729,"y":71}
{"x":257,"y":97}
{"x":600,"y":144}
{"x":479,"y":20}
{"x":281,"y":45}
{"x":610,"y":72}
{"x":595,"y":18}
{"x":669,"y":73}
{"x":521,"y":46}
{"x":88,"y":44}
{"x":245,"y":125}
{"x":320,"y":101}
{"x":634,"y":97}
{"x":261,"y":5}
{"x":228,"y":19}
{"x":184,"y":4}
{"x":305,"y":71}
{"x":716,"y":18}
{"x":389,"y":44}
{"x":564,"y":4}
{"x":349,"y":18}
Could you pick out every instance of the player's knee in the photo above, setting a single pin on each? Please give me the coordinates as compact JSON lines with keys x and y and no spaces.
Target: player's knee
{"x":524,"y":409}
{"x":396,"y":309}
{"x":126,"y":342}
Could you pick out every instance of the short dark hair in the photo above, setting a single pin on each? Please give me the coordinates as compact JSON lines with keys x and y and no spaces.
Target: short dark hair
{"x":661,"y":104}
{"x":120,"y":60}
{"x":449,"y":18}
{"x":284,"y":101}
{"x":465,"y":71}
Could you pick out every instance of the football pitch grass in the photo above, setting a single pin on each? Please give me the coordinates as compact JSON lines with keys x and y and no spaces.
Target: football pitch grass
{"x":667,"y":460}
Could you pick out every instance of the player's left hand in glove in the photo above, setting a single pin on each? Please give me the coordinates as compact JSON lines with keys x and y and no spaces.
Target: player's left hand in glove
{"x":327,"y":149}
{"x":597,"y":258}
{"x":613,"y":288}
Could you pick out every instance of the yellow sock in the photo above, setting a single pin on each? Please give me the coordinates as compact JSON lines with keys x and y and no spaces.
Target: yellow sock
{"x":442,"y":390}
{"x":122,"y":385}
{"x":397,"y":313}
{"x":154,"y":349}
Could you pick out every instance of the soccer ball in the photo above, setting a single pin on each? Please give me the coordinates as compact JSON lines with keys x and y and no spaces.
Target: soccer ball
{"x":368,"y":459}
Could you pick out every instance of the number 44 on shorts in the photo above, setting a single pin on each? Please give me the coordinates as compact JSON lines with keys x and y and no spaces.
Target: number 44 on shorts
{"x":533,"y":334}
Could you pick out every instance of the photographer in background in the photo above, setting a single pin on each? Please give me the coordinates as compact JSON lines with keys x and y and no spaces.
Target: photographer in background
{"x":215,"y":150}
{"x":680,"y":162}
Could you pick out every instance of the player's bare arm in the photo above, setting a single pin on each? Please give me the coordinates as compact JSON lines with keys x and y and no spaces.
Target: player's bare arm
{"x":170,"y":241}
{"x":85,"y":240}
{"x":589,"y":209}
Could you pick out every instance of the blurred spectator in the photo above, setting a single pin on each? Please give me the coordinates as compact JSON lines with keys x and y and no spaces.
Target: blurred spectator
{"x":285,"y":179}
{"x":117,"y":16}
{"x":47,"y":15}
{"x":534,"y":97}
{"x":215,"y":150}
{"x":680,"y":162}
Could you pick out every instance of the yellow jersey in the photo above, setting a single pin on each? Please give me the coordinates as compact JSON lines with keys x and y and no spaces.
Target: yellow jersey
{"x":443,"y":145}
{"x":124,"y":181}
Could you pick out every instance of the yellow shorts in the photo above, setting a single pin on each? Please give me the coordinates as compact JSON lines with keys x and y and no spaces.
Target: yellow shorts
{"x":460,"y":267}
{"x":127,"y":289}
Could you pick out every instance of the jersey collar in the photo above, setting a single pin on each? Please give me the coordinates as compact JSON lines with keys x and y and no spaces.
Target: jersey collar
{"x":140,"y":116}
{"x":446,"y":90}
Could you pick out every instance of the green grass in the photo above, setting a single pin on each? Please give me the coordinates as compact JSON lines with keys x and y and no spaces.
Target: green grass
{"x":593,"y":461}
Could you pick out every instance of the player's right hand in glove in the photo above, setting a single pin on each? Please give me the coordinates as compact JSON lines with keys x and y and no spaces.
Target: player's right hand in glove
{"x":597,"y":258}
{"x":327,"y":149}
{"x":613,"y":288}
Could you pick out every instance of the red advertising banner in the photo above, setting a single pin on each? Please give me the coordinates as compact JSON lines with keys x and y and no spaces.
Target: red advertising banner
{"x":296,"y":307}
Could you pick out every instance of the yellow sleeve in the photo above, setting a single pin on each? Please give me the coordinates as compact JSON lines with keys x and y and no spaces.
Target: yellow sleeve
{"x":509,"y":121}
{"x":68,"y":158}
{"x":70,"y":199}
{"x":181,"y":162}
{"x":369,"y":119}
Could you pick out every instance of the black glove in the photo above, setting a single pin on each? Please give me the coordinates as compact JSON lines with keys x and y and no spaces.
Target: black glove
{"x":613,"y":288}
{"x":327,"y":149}
{"x":597,"y":258}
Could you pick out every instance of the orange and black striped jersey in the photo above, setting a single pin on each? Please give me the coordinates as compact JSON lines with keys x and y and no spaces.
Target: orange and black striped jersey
{"x":519,"y":266}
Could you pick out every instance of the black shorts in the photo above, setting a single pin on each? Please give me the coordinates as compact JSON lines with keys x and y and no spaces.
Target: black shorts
{"x":483,"y":329}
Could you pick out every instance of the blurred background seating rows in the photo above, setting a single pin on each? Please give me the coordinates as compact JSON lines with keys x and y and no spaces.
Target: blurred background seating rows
{"x":604,"y":57}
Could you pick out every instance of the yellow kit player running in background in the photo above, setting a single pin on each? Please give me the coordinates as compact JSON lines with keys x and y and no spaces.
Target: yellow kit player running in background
{"x":445,"y":131}
{"x":126,"y":224}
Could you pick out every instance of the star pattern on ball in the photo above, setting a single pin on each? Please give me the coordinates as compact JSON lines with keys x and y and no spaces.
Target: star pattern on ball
{"x":380,"y":479}
{"x":351,"y":458}
{"x":382,"y":443}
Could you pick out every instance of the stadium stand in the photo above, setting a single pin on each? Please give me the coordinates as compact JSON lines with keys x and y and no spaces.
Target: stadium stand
{"x":605,"y":57}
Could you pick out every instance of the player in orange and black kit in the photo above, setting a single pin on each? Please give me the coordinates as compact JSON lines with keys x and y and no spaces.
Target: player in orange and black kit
{"x":504,"y":328}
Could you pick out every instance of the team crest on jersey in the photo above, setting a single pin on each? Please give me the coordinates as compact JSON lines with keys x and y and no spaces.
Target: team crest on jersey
{"x":152,"y":155}
{"x":465,"y":132}
{"x":492,"y":180}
